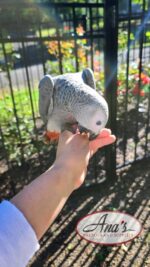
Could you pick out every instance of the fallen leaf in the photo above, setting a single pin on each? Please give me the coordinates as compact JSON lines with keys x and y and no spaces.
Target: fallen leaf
{"x":70,"y":247}
{"x":124,"y":248}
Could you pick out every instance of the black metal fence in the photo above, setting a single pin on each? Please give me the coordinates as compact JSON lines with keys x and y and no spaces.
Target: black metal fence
{"x":66,"y":37}
{"x":133,"y":113}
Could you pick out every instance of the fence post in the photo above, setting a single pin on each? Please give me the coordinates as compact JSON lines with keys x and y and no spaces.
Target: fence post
{"x":110,"y":67}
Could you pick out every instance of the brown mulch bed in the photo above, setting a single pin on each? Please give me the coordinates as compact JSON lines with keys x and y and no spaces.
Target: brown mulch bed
{"x":130,"y":192}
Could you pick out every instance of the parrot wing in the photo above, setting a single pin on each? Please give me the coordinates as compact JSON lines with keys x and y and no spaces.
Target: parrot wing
{"x":46,"y":88}
{"x":88,"y":78}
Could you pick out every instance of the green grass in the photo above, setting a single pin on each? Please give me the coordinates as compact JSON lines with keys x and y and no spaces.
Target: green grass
{"x":22,"y":105}
{"x":9,"y":49}
{"x":21,"y":115}
{"x":46,"y":32}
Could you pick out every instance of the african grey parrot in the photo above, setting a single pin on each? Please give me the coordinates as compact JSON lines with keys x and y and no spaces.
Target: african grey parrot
{"x":70,"y":101}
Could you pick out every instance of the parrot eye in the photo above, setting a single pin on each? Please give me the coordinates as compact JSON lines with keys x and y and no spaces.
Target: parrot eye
{"x":98,"y":123}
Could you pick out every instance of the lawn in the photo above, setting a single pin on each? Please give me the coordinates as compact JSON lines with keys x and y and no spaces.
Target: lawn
{"x":17,"y":122}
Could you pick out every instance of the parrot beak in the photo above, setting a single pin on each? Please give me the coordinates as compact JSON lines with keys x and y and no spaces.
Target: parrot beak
{"x":85,"y":130}
{"x":93,"y":136}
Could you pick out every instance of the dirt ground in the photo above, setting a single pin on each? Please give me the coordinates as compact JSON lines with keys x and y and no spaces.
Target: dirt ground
{"x":130,"y":192}
{"x":61,"y":246}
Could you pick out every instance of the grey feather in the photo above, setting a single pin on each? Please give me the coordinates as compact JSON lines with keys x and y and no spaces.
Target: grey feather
{"x":46,"y":87}
{"x":88,"y":78}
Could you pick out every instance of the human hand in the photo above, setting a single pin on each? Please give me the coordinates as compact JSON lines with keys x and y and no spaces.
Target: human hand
{"x":75,"y":150}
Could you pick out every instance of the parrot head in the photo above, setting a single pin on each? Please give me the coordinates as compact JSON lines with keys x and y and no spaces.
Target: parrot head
{"x":93,"y":118}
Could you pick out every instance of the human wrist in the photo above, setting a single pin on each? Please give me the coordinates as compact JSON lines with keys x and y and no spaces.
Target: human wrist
{"x":65,"y":176}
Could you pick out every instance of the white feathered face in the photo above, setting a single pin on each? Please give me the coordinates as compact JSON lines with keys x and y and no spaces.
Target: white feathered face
{"x":97,"y":121}
{"x":92,"y":119}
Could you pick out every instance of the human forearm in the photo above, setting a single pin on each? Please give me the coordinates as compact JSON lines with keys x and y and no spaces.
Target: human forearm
{"x":42,"y":200}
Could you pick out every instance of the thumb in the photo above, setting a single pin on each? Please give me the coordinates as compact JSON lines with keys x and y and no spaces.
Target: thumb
{"x":64,"y":138}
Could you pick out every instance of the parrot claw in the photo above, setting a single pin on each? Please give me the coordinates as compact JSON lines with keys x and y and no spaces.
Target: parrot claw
{"x":83,"y":130}
{"x":73,"y":128}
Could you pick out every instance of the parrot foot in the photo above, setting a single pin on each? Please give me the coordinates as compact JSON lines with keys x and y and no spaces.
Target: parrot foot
{"x":91,"y":135}
{"x":73,"y":128}
{"x":51,"y":137}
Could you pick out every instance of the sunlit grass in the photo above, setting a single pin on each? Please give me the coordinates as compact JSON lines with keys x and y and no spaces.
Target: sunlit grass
{"x":21,"y":106}
{"x":17,"y":122}
{"x":46,"y":32}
